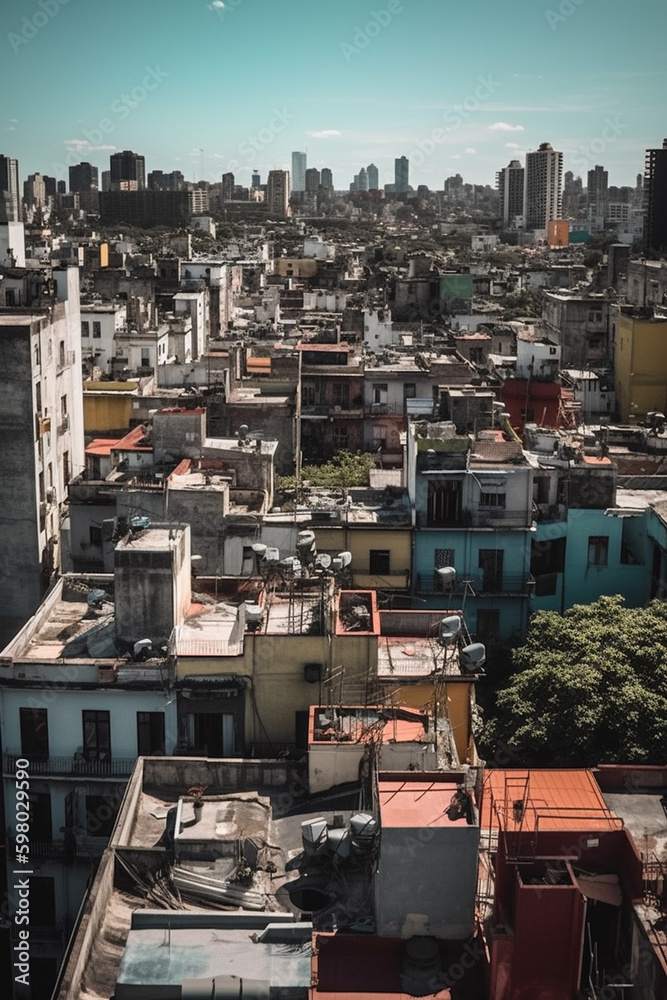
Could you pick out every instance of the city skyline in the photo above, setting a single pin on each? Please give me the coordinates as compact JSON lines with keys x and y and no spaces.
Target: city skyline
{"x":414,"y":78}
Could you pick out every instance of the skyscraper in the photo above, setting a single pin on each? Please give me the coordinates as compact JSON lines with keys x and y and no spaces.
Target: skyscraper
{"x":128,"y":171}
{"x":509,"y":182}
{"x":10,"y":202}
{"x":543,"y":182}
{"x":277,"y":193}
{"x":299,"y":164}
{"x":256,"y":180}
{"x":401,"y":173}
{"x":362,"y":184}
{"x":655,"y":202}
{"x":228,"y":182}
{"x":83,"y":177}
{"x":326,"y":179}
{"x":312,"y":180}
{"x":373,"y":177}
{"x":598,"y":180}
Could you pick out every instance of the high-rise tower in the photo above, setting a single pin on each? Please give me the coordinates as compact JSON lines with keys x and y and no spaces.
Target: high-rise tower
{"x":543,"y":182}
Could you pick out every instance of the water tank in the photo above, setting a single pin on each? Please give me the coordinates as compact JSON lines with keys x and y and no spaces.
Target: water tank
{"x":314,"y":835}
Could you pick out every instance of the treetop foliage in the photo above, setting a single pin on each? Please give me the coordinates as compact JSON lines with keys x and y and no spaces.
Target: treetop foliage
{"x":589,"y":686}
{"x":344,"y":470}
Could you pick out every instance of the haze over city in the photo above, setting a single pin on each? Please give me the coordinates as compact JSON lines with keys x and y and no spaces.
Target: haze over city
{"x":205,"y":88}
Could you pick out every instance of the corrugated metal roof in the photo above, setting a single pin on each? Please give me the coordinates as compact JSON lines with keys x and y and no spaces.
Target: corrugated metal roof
{"x":568,"y":800}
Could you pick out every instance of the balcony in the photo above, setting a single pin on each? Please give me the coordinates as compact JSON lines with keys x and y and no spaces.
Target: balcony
{"x":76,"y":766}
{"x":482,"y":517}
{"x":478,"y":585}
{"x":44,"y":849}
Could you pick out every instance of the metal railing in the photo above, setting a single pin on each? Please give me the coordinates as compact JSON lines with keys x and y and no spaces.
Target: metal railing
{"x":118,"y":767}
{"x":509,"y":584}
{"x":482,"y":517}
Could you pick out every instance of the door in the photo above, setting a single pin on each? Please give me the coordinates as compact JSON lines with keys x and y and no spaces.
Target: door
{"x":214,"y":734}
{"x":491,"y":565}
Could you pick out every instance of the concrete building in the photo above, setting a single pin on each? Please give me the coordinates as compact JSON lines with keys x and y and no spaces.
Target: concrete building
{"x":473,"y":503}
{"x":542,"y":198}
{"x":42,"y":427}
{"x":401,"y":174}
{"x":598,"y":182}
{"x":10,"y":197}
{"x":510,"y":184}
{"x":83,"y":177}
{"x":127,"y":168}
{"x":655,"y":202}
{"x":299,"y":167}
{"x":146,"y":208}
{"x":580,"y":324}
{"x":277,"y":193}
{"x":373,"y":177}
{"x":640,"y":362}
{"x":101,"y":322}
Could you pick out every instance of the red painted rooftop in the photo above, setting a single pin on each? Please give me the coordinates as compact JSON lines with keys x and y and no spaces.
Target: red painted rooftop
{"x":554,"y":800}
{"x":102,"y":446}
{"x":418,"y":803}
{"x":131,"y":441}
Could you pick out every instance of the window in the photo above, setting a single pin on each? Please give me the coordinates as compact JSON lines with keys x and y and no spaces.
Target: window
{"x":444,"y":503}
{"x":97,"y":330}
{"x":492,"y":500}
{"x":61,"y":354}
{"x":340,"y":438}
{"x":40,"y":817}
{"x":341,"y":395}
{"x":380,"y":392}
{"x":308,"y":395}
{"x":85,"y":328}
{"x":96,"y":735}
{"x":598,"y":550}
{"x":95,"y":535}
{"x":66,"y":469}
{"x":488,"y":624}
{"x":150,"y":733}
{"x":34,"y":733}
{"x":379,"y":561}
{"x":409,"y":390}
{"x":63,"y":408}
{"x":101,"y":811}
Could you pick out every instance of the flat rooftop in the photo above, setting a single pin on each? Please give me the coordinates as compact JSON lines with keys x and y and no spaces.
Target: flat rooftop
{"x":411,"y":804}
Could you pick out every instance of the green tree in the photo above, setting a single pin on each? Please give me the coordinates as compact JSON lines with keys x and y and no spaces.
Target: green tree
{"x":344,"y":470}
{"x":589,"y":686}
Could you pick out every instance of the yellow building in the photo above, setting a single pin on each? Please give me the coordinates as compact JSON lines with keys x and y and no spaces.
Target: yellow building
{"x":641,"y":362}
{"x":107,"y":407}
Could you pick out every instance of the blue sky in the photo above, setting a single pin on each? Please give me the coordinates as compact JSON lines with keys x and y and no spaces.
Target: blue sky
{"x":456,"y":86}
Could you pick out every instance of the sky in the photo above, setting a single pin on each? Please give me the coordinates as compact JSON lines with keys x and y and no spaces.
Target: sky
{"x":457,"y":86}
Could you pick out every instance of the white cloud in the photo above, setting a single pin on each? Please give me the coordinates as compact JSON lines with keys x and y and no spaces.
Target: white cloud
{"x":511,"y":145}
{"x":505,"y":127}
{"x":473,"y":152}
{"x":455,"y":156}
{"x":216,"y":5}
{"x":326,"y":133}
{"x":82,"y":145}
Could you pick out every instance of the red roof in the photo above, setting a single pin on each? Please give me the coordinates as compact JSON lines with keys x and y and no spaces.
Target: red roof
{"x":131,"y":441}
{"x":102,"y":446}
{"x":416,"y":803}
{"x":552,"y":800}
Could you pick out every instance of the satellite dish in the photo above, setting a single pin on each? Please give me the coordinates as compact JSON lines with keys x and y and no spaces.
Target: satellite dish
{"x":449,"y":629}
{"x":305,"y":539}
{"x":323,"y":561}
{"x":345,"y":558}
{"x":259,"y":548}
{"x":473,"y":657}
